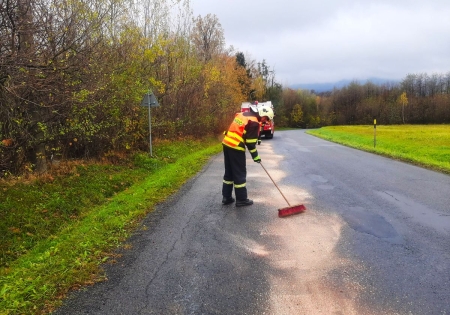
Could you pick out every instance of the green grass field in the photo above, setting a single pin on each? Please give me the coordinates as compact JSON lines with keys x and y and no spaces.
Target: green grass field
{"x":57,"y":229}
{"x":424,"y":145}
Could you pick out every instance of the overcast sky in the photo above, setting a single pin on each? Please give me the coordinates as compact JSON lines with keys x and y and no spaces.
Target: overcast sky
{"x":319,"y":41}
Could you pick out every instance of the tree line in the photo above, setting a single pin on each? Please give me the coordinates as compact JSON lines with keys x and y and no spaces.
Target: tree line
{"x":417,"y":99}
{"x":73,"y":74}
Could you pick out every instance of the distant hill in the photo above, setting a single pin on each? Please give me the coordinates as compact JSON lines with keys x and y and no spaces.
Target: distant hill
{"x":325,"y":87}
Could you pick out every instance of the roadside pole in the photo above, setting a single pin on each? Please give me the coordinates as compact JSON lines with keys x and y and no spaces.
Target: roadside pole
{"x":150,"y":100}
{"x":374,"y":133}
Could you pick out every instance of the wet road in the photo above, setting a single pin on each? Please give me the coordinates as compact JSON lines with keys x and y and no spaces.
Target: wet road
{"x":374,"y":240}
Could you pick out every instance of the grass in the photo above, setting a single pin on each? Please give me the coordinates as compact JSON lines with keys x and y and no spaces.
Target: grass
{"x":57,"y":230}
{"x":423,"y":145}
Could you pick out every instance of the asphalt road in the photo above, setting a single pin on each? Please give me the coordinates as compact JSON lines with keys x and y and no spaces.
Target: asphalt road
{"x":374,"y":240}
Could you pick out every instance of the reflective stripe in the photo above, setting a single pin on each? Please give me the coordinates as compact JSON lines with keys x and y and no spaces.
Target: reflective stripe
{"x":256,"y":158}
{"x":228,"y":182}
{"x":235,"y":135}
{"x":233,"y":147}
{"x":253,"y":151}
{"x":231,"y":140}
{"x":240,"y":186}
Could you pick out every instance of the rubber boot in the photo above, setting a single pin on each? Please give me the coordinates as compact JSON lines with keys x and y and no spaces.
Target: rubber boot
{"x":227,"y":200}
{"x":227,"y":190}
{"x":245,"y":202}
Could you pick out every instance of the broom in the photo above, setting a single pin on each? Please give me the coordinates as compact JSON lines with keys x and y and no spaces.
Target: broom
{"x":283,"y":212}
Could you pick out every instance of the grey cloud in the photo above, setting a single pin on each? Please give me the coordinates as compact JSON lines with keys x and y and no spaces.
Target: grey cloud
{"x":324,"y":40}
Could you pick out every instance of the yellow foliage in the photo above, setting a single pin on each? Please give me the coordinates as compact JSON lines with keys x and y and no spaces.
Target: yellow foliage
{"x":297,"y":114}
{"x":215,"y":74}
{"x":318,"y":99}
{"x":259,"y":86}
{"x":403,"y":100}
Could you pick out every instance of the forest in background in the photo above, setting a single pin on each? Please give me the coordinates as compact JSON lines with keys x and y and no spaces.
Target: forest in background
{"x":73,"y":74}
{"x":417,"y":99}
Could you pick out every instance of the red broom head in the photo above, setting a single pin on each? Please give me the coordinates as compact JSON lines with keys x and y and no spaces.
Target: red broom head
{"x":283,"y":212}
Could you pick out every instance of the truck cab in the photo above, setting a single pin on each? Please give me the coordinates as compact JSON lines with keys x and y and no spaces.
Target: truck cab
{"x":267,"y":129}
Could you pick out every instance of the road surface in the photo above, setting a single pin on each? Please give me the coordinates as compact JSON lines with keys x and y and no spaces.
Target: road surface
{"x":375,"y":239}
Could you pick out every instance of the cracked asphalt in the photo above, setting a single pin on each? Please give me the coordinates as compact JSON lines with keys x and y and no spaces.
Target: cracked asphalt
{"x":374,"y":240}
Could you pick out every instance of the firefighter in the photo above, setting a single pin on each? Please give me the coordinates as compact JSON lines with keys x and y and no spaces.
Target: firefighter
{"x":243,"y":132}
{"x":261,"y":129}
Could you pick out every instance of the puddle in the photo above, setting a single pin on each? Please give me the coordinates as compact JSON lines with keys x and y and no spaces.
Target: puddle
{"x":364,"y":221}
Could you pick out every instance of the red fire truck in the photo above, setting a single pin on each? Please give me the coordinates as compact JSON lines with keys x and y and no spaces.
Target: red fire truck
{"x":267,"y":129}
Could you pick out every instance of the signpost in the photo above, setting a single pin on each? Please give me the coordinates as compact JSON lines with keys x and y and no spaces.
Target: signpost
{"x":149,"y":100}
{"x":374,"y":133}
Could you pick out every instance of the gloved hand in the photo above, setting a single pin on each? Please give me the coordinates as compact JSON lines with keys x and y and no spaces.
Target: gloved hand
{"x":257,"y":159}
{"x":259,"y":141}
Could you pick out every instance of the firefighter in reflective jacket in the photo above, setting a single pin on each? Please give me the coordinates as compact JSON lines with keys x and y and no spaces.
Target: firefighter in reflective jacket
{"x":243,"y":132}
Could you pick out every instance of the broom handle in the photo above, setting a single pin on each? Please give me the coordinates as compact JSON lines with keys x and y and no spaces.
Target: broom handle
{"x":275,"y":184}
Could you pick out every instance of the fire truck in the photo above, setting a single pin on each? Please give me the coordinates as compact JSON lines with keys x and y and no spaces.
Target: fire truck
{"x":267,"y":129}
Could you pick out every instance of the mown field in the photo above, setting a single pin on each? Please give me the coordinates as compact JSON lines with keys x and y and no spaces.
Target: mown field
{"x":424,"y":145}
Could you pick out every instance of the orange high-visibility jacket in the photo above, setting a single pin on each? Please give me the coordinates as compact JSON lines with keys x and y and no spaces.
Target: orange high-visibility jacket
{"x":243,"y":131}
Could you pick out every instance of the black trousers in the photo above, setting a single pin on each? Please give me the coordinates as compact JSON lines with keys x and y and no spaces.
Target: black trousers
{"x":235,"y":173}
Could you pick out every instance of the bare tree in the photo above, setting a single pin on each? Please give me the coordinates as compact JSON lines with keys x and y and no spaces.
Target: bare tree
{"x":208,"y":36}
{"x":46,"y":65}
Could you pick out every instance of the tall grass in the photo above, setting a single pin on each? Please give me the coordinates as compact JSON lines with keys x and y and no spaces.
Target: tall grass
{"x":424,"y":145}
{"x":57,"y":231}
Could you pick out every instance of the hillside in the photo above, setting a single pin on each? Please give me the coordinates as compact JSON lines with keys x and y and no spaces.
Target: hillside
{"x":329,"y":86}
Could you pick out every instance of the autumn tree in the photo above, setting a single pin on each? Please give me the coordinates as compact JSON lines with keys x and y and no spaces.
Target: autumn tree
{"x":297,"y":115}
{"x":21,"y":85}
{"x":49,"y":67}
{"x":403,"y":101}
{"x":258,"y":88}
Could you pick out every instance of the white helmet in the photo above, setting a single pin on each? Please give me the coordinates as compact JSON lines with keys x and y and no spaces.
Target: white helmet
{"x":265,"y":111}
